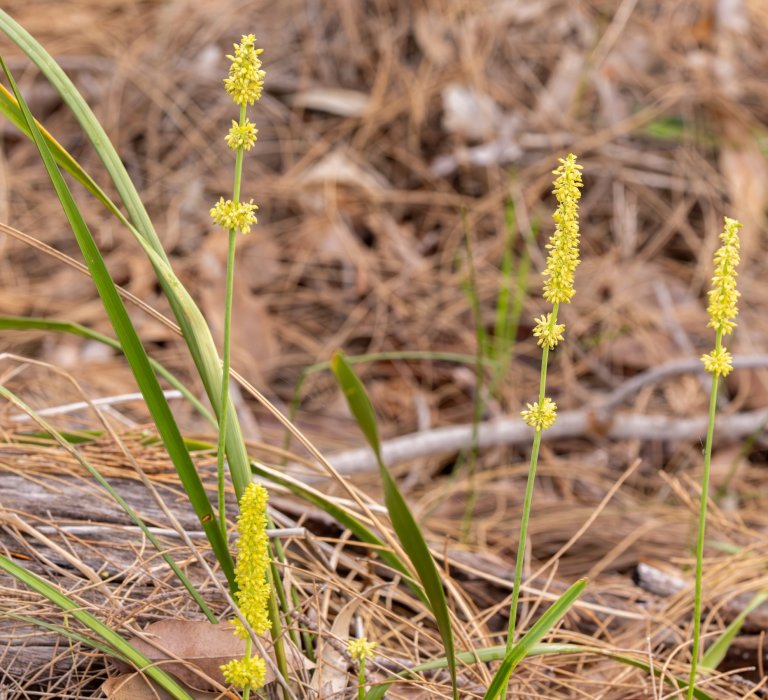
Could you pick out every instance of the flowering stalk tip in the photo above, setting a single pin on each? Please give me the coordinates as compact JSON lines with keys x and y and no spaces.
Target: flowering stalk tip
{"x":723,"y":296}
{"x":253,"y":560}
{"x":563,"y":246}
{"x":246,"y":78}
{"x":360,"y":649}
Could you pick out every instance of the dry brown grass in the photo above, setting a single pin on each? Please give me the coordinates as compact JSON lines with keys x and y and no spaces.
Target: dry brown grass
{"x":362,"y":171}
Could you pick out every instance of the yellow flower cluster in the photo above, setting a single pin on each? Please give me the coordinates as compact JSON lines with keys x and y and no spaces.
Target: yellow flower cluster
{"x":253,"y":561}
{"x":253,"y":586}
{"x":541,"y":416}
{"x":246,"y":78}
{"x":247,"y":672}
{"x":719,"y":362}
{"x":562,"y":261}
{"x":548,"y":333}
{"x":723,"y":295}
{"x":242,"y":135}
{"x":360,"y":649}
{"x":239,"y":216}
{"x":722,"y":299}
{"x":563,"y":246}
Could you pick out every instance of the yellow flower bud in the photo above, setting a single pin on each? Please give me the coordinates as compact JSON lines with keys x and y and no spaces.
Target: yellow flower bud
{"x":719,"y":362}
{"x":242,"y":135}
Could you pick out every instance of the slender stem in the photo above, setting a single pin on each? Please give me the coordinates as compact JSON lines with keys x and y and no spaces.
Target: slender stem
{"x":520,"y":559}
{"x":226,"y":353}
{"x":702,"y":527}
{"x":528,"y":499}
{"x":248,"y":652}
{"x":361,"y":681}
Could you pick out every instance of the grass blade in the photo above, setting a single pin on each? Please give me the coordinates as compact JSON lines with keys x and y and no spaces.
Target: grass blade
{"x":719,"y":648}
{"x":133,"y":349}
{"x":403,"y":522}
{"x":141,"y":662}
{"x":521,"y":649}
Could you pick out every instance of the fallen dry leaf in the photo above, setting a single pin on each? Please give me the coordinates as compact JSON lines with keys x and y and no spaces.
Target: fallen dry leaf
{"x":194,"y":651}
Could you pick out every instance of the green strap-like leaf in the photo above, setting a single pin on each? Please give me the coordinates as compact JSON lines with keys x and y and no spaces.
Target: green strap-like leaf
{"x":719,"y":648}
{"x":11,"y":110}
{"x":403,"y":522}
{"x":532,"y":637}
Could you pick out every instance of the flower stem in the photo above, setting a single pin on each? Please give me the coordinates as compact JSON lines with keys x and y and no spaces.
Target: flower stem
{"x":248,"y":651}
{"x":528,"y":499}
{"x":361,"y":681}
{"x":702,"y":526}
{"x":226,"y":352}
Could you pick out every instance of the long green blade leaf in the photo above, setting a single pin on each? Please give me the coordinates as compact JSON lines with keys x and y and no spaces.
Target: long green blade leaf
{"x":719,"y":648}
{"x":134,"y":351}
{"x":141,"y":662}
{"x":543,"y":625}
{"x":403,"y":522}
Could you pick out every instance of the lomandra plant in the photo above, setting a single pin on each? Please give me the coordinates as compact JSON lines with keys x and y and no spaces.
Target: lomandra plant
{"x":722,"y":311}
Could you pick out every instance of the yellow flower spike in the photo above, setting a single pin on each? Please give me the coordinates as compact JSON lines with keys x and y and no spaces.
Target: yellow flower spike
{"x":242,"y":135}
{"x":360,"y":649}
{"x":247,"y":672}
{"x":549,"y":334}
{"x":540,"y":416}
{"x":253,"y":561}
{"x":723,"y":295}
{"x":239,"y":216}
{"x":563,"y":246}
{"x":246,"y":78}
